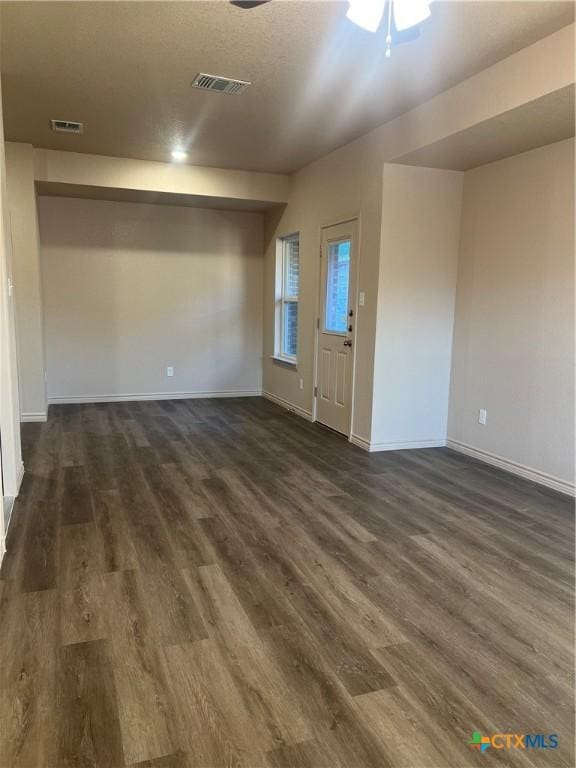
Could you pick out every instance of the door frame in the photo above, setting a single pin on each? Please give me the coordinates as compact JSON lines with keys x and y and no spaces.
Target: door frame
{"x":353,"y":304}
{"x":11,"y":464}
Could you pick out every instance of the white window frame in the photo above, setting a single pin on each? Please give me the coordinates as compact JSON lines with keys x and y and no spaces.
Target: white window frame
{"x":282,"y":298}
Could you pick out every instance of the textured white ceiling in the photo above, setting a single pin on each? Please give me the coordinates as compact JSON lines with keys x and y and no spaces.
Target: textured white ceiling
{"x":124,"y":69}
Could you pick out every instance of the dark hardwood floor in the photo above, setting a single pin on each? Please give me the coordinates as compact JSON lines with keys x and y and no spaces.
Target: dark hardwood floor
{"x":219,"y":583}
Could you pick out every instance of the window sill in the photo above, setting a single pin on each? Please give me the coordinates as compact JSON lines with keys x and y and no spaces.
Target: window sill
{"x":284,"y":361}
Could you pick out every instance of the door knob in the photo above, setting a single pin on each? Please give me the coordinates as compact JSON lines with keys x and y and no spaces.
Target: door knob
{"x":347,"y":343}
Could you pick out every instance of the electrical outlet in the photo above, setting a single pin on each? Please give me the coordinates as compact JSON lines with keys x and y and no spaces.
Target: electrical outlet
{"x":301,"y":384}
{"x":169,"y":371}
{"x":482,"y":416}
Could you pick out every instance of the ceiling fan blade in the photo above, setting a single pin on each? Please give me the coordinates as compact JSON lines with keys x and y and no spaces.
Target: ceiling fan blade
{"x":247,"y":4}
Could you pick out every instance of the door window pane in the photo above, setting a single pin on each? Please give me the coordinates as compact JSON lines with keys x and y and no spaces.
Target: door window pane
{"x":337,"y":282}
{"x":290,"y":326}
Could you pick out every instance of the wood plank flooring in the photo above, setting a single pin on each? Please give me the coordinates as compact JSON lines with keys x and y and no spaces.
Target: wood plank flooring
{"x":213,"y":583}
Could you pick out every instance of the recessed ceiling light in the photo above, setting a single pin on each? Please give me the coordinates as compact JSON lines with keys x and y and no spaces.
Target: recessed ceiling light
{"x":179,"y":155}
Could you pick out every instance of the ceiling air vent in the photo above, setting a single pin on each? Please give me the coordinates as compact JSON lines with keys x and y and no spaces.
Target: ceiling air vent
{"x":66,"y":126}
{"x":219,"y":84}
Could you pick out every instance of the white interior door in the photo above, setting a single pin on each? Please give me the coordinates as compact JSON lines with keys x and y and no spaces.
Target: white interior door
{"x":335,"y":361}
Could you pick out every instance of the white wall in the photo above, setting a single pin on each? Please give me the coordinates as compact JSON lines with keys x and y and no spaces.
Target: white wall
{"x":130,"y":289}
{"x":514,"y":331}
{"x":26,"y":269}
{"x":416,"y":294}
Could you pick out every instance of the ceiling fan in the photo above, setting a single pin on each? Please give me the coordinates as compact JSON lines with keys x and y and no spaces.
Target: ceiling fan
{"x":402,"y":17}
{"x":247,"y":4}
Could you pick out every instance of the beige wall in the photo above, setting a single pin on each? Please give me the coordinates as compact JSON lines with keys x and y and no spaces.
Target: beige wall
{"x":416,"y":294}
{"x":11,"y":454}
{"x":514,"y":330}
{"x":130,"y":289}
{"x":75,"y":168}
{"x":333,"y":189}
{"x":26,"y":268}
{"x":349,"y":182}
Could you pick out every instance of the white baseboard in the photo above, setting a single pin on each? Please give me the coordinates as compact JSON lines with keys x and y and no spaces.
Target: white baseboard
{"x":528,"y":473}
{"x":73,"y":399}
{"x":289,"y":406}
{"x":19,"y":477}
{"x":361,"y":442}
{"x":9,"y":508}
{"x":8,"y":513}
{"x":366,"y":445}
{"x":40,"y":416}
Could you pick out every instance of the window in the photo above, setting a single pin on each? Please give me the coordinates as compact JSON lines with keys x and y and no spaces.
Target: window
{"x":287,"y":289}
{"x":337,"y":283}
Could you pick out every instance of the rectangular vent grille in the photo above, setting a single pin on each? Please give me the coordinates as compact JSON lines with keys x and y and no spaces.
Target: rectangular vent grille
{"x":66,"y":126}
{"x":219,"y":84}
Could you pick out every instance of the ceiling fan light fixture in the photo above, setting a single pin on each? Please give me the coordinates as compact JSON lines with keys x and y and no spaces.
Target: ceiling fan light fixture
{"x":366,"y":13}
{"x":409,"y":13}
